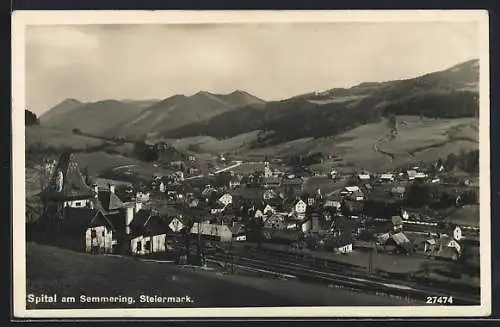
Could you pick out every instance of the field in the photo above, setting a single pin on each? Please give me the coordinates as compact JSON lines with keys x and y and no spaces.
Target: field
{"x":56,"y":271}
{"x":47,"y":137}
{"x":208,"y":144}
{"x":369,"y":146}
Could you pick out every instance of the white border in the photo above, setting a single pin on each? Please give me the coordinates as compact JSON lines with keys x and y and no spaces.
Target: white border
{"x":20,"y":19}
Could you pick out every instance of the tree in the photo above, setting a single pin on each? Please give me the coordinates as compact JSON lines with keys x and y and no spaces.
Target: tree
{"x":418,"y":195}
{"x":30,"y":118}
{"x":451,"y":161}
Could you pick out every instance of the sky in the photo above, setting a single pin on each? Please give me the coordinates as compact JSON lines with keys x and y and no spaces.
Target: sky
{"x":272,"y":61}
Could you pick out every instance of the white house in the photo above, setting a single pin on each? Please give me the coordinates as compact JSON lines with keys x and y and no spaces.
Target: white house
{"x":420,"y":175}
{"x":268,"y":210}
{"x":226,"y":199}
{"x":300,"y":208}
{"x":142,"y":197}
{"x":364,"y":176}
{"x":347,"y":248}
{"x":387,"y":177}
{"x":148,"y":233}
{"x":349,"y":190}
{"x":411,"y":174}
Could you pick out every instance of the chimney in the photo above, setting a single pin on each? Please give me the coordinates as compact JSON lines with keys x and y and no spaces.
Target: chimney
{"x":129,"y":216}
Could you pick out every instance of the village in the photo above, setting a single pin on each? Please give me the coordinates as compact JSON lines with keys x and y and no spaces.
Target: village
{"x":355,"y":222}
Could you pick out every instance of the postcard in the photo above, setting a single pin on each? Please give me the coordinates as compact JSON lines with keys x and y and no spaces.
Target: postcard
{"x":251,"y":164}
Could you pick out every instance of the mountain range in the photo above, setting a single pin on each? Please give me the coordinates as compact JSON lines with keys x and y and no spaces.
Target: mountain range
{"x":451,"y":93}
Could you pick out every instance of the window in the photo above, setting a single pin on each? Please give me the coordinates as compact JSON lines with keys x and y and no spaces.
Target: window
{"x":147,"y":246}
{"x":78,"y":204}
{"x":103,"y":233}
{"x":93,"y":233}
{"x":138,"y":247}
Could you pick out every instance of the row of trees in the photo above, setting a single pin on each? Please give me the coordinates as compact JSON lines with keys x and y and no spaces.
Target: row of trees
{"x":465,"y":161}
{"x":420,"y":195}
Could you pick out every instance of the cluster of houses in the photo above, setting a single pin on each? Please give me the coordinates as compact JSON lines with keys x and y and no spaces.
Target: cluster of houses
{"x":271,"y":208}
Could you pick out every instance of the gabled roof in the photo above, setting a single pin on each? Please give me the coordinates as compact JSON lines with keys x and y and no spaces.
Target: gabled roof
{"x":109,"y":200}
{"x":73,"y":183}
{"x":210,"y":229}
{"x":147,"y":221}
{"x":351,"y":188}
{"x":411,"y":173}
{"x":400,"y":238}
{"x":79,"y":219}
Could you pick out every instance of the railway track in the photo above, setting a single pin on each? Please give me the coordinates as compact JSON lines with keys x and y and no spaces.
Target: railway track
{"x":338,"y":275}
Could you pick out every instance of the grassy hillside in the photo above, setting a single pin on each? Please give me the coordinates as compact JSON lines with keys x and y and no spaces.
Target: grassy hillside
{"x":452,"y":93}
{"x":44,"y":137}
{"x":373,"y":146}
{"x":94,"y":118}
{"x":180,"y":110}
{"x":62,"y":108}
{"x":51,"y":270}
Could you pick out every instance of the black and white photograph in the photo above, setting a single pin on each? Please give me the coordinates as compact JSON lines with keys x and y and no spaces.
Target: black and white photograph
{"x":251,"y":164}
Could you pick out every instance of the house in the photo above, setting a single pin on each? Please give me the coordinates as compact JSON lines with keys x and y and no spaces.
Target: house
{"x":349,"y":190}
{"x":299,"y":209}
{"x":272,"y":182}
{"x":161,"y":187}
{"x":193,"y":203}
{"x":332,"y":174}
{"x":268,"y":195}
{"x":332,"y":204}
{"x":147,"y":233}
{"x":234,"y":181}
{"x":413,"y":174}
{"x":364,"y":176}
{"x":357,"y":196}
{"x":218,"y":207}
{"x":268,"y":173}
{"x":445,"y":246}
{"x":67,"y":187}
{"x":341,"y":244}
{"x":83,"y":229}
{"x":238,"y":232}
{"x":394,"y":242}
{"x":191,"y":158}
{"x":387,"y":178}
{"x":176,"y":164}
{"x":222,"y":158}
{"x":142,"y":197}
{"x":268,"y":210}
{"x":226,"y":199}
{"x":108,"y":200}
{"x":275,"y":221}
{"x":398,"y":192}
{"x":420,"y":176}
{"x":176,"y":224}
{"x":218,"y":232}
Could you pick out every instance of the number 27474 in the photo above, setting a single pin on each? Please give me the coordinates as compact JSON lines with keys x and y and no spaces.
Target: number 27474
{"x":439,"y":300}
